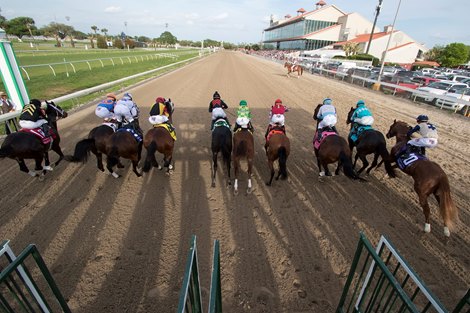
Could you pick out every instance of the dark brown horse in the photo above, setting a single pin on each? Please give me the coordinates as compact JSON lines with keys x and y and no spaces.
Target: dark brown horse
{"x":23,"y":145}
{"x":333,"y":148}
{"x":221,"y":142}
{"x":158,"y":139}
{"x":243,"y":147}
{"x":294,"y":68}
{"x":370,"y":141}
{"x":123,"y":144}
{"x":95,"y":143}
{"x":429,"y":178}
{"x":278,"y":148}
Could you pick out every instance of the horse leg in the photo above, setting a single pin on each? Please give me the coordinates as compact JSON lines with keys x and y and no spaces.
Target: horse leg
{"x":214,"y":168}
{"x":446,"y":228}
{"x":39,"y":168}
{"x":229,"y":182}
{"x":423,"y":201}
{"x":135,"y":163}
{"x":365,"y":163}
{"x":374,"y":163}
{"x":356,"y":157}
{"x":110,"y":165}
{"x":58,"y":150}
{"x":236,"y":166}
{"x":99,"y":161}
{"x":24,"y":168}
{"x":167,"y":163}
{"x":271,"y":169}
{"x":327,"y":171}
{"x":250,"y":167}
{"x":47,"y":164}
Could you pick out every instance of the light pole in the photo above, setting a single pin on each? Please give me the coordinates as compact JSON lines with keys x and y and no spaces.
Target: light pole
{"x":384,"y":55}
{"x":377,"y":12}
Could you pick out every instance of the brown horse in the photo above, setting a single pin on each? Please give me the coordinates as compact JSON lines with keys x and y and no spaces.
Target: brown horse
{"x":243,"y":146}
{"x":333,"y":148}
{"x":158,"y":139}
{"x":278,"y":148}
{"x":293,"y":68}
{"x":123,"y":144}
{"x":429,"y":178}
{"x":370,"y":141}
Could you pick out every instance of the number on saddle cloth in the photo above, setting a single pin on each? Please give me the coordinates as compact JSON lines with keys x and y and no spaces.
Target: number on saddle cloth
{"x":407,"y":156}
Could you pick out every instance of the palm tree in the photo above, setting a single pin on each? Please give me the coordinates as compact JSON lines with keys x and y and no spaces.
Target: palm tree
{"x":351,"y":48}
{"x":105,"y":32}
{"x":94,"y":28}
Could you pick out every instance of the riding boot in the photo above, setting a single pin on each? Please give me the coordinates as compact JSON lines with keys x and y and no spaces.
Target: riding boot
{"x":320,"y":131}
{"x":212,"y":124}
{"x":423,"y":151}
{"x":334,"y":129}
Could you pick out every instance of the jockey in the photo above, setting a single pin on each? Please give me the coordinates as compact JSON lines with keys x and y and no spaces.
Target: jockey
{"x":126,"y":110}
{"x":276,"y":116}
{"x":160,"y":112}
{"x":428,"y":134}
{"x":105,"y":108}
{"x":33,"y":116}
{"x":217,"y":107}
{"x":327,"y":117}
{"x":243,"y":117}
{"x":362,"y":116}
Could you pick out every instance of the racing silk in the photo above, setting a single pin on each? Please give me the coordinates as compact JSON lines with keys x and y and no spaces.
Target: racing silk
{"x":217,"y":103}
{"x":278,"y":109}
{"x":426,"y":130}
{"x":161,"y":109}
{"x":326,"y":109}
{"x":108,"y":104}
{"x":360,"y":113}
{"x":244,"y":112}
{"x":32,"y":113}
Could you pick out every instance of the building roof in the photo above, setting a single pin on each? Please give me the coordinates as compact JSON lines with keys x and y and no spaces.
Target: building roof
{"x":301,"y":10}
{"x":321,"y":2}
{"x":364,"y":38}
{"x":401,"y":46}
{"x":430,"y":63}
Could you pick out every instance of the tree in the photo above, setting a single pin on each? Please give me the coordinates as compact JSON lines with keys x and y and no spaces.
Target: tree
{"x":167,"y":38}
{"x":20,"y":26}
{"x":94,"y":28}
{"x":105,"y":32}
{"x":351,"y":48}
{"x":117,"y":43}
{"x":59,"y":31}
{"x":143,"y":39}
{"x":434,"y":53}
{"x":453,"y":55}
{"x":3,"y":20}
{"x":101,"y":42}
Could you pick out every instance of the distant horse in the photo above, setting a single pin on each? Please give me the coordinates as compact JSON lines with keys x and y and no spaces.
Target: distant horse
{"x":221,"y":142}
{"x":278,"y":148}
{"x":293,"y":68}
{"x":158,"y":139}
{"x":243,"y":146}
{"x":429,"y":178}
{"x":96,"y":143}
{"x":123,"y":144}
{"x":23,"y":145}
{"x":333,"y":148}
{"x":370,"y":141}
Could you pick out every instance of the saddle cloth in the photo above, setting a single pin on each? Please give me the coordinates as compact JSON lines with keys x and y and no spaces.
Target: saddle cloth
{"x":221,"y":122}
{"x":132,"y":131}
{"x":273,"y":132}
{"x":317,"y":143}
{"x":39,"y":133}
{"x":168,"y":128}
{"x":356,"y":133}
{"x":405,"y":157}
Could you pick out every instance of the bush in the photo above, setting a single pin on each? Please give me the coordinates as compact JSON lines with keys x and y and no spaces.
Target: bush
{"x":101,"y":42}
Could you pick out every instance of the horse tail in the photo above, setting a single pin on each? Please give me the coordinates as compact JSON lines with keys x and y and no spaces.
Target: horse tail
{"x":348,"y":167}
{"x":5,"y":151}
{"x":282,"y":154}
{"x":151,"y":149}
{"x":382,"y":149}
{"x":447,"y":207}
{"x":82,"y":150}
{"x":301,"y":70}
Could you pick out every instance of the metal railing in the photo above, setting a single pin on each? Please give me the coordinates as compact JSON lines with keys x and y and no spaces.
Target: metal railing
{"x":190,"y":295}
{"x":215,"y":300}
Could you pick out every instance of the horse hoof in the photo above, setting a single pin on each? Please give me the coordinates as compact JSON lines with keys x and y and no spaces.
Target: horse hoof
{"x":115,"y":175}
{"x":268,"y":184}
{"x":235,"y":192}
{"x":446,"y":231}
{"x":32,"y":173}
{"x":160,"y":167}
{"x":213,"y":185}
{"x":249,"y":191}
{"x":427,"y":228}
{"x":48,"y":168}
{"x":321,"y":174}
{"x":41,"y":177}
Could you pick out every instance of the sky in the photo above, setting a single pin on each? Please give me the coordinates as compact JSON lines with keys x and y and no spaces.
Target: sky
{"x":430,"y":22}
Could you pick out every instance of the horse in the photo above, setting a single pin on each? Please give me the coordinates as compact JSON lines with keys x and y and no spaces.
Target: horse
{"x":429,"y":178}
{"x":95,"y":143}
{"x":221,"y":142}
{"x":158,"y":139}
{"x":24,"y":145}
{"x":243,"y":146}
{"x":333,"y":148}
{"x":293,"y":68}
{"x":370,"y":141}
{"x":278,"y":147}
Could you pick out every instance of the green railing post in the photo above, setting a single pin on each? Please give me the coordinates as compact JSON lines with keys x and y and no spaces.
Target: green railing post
{"x":215,"y":300}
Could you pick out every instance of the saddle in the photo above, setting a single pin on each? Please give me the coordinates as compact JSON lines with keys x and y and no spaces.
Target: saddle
{"x":357,"y":132}
{"x":317,"y":143}
{"x":128,"y":128}
{"x":221,"y":122}
{"x":169,"y":128}
{"x":407,"y":155}
{"x":39,"y":133}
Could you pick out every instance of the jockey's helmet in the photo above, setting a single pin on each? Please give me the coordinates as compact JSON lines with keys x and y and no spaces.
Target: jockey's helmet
{"x":111,"y":95}
{"x":243,"y":103}
{"x":127,"y":96}
{"x":216,"y":95}
{"x":327,"y":101}
{"x":35,"y":102}
{"x":360,"y":103}
{"x":422,"y":118}
{"x":160,"y":100}
{"x":278,"y":101}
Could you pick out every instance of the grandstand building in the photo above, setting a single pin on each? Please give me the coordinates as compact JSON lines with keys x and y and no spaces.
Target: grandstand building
{"x":328,"y":27}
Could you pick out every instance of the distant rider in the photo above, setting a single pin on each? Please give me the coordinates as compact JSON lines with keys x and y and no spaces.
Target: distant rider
{"x":33,"y":116}
{"x":217,"y":107}
{"x":428,"y":134}
{"x":126,"y":111}
{"x":276,"y":116}
{"x":327,"y":117}
{"x":243,"y":117}
{"x":161,"y":111}
{"x":105,"y":108}
{"x":362,"y":119}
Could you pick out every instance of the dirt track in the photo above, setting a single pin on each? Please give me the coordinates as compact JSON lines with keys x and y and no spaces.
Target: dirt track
{"x":120,"y":245}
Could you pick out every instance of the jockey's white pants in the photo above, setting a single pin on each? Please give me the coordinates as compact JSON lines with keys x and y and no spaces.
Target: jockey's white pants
{"x":243,"y":122}
{"x":365,"y":120}
{"x":122,"y":111}
{"x":278,"y":119}
{"x":158,"y":119}
{"x":423,"y":142}
{"x":329,"y":120}
{"x":104,"y":113}
{"x":31,"y":125}
{"x":218,"y":113}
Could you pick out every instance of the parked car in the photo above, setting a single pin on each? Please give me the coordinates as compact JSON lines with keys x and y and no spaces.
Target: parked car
{"x":438,"y":88}
{"x":399,"y":81}
{"x":462,"y":94}
{"x":406,"y":74}
{"x":457,"y":78}
{"x":424,"y":80}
